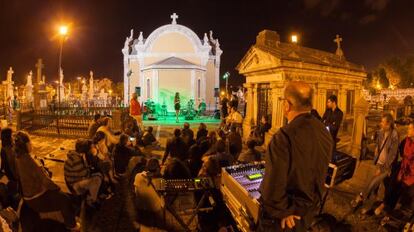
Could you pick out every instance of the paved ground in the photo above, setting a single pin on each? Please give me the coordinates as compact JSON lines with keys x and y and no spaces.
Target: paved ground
{"x":113,"y":214}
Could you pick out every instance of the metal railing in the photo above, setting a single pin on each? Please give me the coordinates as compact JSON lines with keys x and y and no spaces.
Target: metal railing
{"x":65,"y":122}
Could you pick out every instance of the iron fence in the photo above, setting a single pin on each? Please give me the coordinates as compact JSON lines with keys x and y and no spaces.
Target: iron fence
{"x":66,"y":122}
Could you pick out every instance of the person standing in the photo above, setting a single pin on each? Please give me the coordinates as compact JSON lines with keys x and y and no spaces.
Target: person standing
{"x":385,"y":155}
{"x":135,"y":109}
{"x":224,"y":109}
{"x":332,"y":117}
{"x":296,"y":165}
{"x":177,"y":105}
{"x":401,"y":181}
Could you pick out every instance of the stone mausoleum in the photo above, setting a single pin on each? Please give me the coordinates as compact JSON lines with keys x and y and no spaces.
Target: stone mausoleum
{"x":270,"y":63}
{"x":172,"y":59}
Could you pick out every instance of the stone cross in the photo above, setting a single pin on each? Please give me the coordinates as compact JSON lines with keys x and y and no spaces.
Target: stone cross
{"x":338,"y":41}
{"x":339,"y":51}
{"x":174,"y":18}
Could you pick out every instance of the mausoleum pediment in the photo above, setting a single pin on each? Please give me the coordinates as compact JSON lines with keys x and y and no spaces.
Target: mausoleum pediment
{"x":256,"y":59}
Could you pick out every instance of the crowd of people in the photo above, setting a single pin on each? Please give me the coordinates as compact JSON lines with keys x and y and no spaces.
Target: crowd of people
{"x":99,"y":165}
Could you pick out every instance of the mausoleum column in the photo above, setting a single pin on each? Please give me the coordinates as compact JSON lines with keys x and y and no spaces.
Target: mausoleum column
{"x":321,"y":102}
{"x":203,"y":86}
{"x":193,"y":84}
{"x":154,"y":86}
{"x":342,"y":100}
{"x":277,"y":109}
{"x":249,"y":109}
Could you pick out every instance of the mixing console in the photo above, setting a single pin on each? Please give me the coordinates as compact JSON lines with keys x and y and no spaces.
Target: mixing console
{"x":182,"y":185}
{"x":249,"y":176}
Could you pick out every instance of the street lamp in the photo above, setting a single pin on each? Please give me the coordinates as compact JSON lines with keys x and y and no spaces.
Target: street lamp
{"x":294,"y":39}
{"x":226,"y":77}
{"x":63,"y":32}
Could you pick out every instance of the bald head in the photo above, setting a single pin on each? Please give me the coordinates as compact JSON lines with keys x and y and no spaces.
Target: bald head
{"x":299,"y":94}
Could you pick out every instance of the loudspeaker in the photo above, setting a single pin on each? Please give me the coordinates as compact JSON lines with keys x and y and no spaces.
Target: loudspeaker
{"x":138,"y":91}
{"x":216,"y":92}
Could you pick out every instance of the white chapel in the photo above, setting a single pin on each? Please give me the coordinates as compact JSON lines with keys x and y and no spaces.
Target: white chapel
{"x":172,"y":59}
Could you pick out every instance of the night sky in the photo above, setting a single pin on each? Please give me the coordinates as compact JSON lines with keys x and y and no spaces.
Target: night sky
{"x":372,"y":30}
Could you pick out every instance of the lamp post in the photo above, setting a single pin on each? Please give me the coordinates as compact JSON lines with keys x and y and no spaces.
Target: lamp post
{"x":226,"y":77}
{"x":63,"y":32}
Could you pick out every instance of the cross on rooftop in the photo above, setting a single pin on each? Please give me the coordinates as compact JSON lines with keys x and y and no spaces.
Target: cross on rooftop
{"x":338,"y":41}
{"x":174,"y":18}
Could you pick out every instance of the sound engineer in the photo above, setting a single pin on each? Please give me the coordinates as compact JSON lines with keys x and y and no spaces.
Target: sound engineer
{"x":297,"y":160}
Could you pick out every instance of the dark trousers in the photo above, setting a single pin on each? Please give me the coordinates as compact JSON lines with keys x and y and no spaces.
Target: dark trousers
{"x":54,"y":200}
{"x":398,"y":191}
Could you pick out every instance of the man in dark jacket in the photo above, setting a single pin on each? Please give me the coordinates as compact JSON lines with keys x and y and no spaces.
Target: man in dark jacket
{"x":176,"y":147}
{"x":297,"y":161}
{"x":332,"y":118}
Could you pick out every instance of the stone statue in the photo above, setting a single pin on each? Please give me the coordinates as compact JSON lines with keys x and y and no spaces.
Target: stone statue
{"x":29,"y":87}
{"x":205,"y":39}
{"x":10,"y":74}
{"x":9,"y":83}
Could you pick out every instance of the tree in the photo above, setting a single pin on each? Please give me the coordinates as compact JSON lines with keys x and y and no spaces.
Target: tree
{"x":382,"y":78}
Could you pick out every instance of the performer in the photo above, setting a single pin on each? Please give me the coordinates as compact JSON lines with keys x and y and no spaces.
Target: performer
{"x":296,"y":164}
{"x":177,"y":105}
{"x":135,"y":110}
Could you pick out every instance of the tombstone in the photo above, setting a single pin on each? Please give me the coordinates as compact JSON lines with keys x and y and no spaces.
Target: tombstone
{"x":103,"y":97}
{"x":392,"y":107}
{"x":29,"y":88}
{"x":84,"y":92}
{"x":9,"y":84}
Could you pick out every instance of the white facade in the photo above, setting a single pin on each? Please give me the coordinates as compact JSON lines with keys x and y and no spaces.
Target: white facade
{"x":171,"y":59}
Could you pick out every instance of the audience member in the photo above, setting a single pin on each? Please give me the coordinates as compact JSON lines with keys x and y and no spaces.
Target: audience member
{"x":176,"y":147}
{"x":94,"y":126}
{"x":187,"y":134}
{"x":38,"y":190}
{"x":77,"y":174}
{"x":251,"y":155}
{"x":202,"y":132}
{"x":110,"y":138}
{"x":123,"y":152}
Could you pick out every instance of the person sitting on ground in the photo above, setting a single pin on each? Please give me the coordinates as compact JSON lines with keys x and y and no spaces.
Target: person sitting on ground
{"x":110,"y":138}
{"x":8,"y":166}
{"x":78,"y":176}
{"x":187,"y":134}
{"x":93,"y":127}
{"x":220,"y":154}
{"x":39,"y":192}
{"x":202,"y":132}
{"x":176,"y":147}
{"x":176,"y":169}
{"x":123,"y":152}
{"x":195,"y":162}
{"x":148,"y":138}
{"x":251,"y":155}
{"x":235,"y":142}
{"x":102,"y":152}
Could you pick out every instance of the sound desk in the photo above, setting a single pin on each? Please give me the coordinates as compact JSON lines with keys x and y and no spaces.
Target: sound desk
{"x":240,"y":188}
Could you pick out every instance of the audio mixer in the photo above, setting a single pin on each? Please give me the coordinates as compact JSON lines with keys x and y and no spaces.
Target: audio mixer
{"x":240,"y":188}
